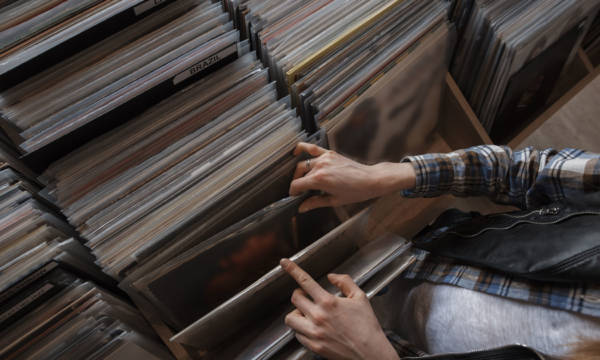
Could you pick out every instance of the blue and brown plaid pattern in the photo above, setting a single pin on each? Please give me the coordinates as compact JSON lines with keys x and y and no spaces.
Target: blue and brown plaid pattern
{"x":526,"y":178}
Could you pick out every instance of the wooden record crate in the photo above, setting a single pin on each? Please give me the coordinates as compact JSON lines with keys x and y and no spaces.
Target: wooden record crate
{"x":461,"y":127}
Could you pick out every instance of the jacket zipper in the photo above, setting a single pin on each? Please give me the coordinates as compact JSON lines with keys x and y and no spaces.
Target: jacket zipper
{"x":539,"y":211}
{"x":523,"y":222}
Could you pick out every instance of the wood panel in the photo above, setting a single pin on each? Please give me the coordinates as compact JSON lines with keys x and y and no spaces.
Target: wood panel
{"x":555,"y":107}
{"x":459,"y":126}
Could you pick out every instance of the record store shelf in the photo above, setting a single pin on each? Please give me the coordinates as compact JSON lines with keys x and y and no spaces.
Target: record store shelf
{"x":456,"y":126}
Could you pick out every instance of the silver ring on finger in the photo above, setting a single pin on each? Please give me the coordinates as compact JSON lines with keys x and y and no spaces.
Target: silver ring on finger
{"x":307,"y":165}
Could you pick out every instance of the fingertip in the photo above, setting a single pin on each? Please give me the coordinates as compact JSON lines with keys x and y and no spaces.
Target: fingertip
{"x":303,"y":208}
{"x":300,"y":185}
{"x":285,"y":263}
{"x":299,"y":148}
{"x":333,"y":278}
{"x":293,"y":191}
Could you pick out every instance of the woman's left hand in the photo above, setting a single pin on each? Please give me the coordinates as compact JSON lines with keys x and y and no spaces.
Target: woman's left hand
{"x":335,"y":327}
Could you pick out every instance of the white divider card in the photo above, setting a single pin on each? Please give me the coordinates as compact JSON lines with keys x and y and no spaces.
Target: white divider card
{"x":205,"y":64}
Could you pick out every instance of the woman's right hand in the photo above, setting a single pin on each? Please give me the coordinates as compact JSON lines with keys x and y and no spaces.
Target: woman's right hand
{"x":344,"y":181}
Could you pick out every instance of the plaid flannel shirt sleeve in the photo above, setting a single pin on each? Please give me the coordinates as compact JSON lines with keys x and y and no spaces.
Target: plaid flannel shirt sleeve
{"x":523,"y":178}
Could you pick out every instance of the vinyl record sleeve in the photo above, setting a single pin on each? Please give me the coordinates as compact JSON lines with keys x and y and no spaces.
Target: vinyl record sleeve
{"x":292,"y":74}
{"x":204,"y":277}
{"x":257,"y":192}
{"x":335,"y":95}
{"x":529,"y":89}
{"x":387,"y":121}
{"x":256,"y":300}
{"x":218,"y":268}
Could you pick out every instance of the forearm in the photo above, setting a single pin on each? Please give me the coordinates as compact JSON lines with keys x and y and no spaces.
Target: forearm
{"x":393,"y":177}
{"x":492,"y":171}
{"x":525,"y":178}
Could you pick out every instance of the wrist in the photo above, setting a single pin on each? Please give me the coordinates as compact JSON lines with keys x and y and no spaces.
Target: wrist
{"x":387,"y":350}
{"x":393,"y":177}
{"x":382,"y":348}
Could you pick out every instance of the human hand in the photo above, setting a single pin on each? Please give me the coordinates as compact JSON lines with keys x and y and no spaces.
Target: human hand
{"x":345,"y":181}
{"x":335,"y":327}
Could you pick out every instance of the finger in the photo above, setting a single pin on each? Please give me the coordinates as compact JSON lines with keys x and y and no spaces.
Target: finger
{"x":315,"y":202}
{"x":299,"y":323}
{"x":302,"y":185}
{"x":346,"y":285}
{"x":311,"y":149}
{"x":302,"y":302}
{"x":303,"y":168}
{"x":306,"y":282}
{"x":308,"y":343}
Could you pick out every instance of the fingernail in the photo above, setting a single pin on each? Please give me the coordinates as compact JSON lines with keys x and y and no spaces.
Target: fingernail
{"x":284,"y":263}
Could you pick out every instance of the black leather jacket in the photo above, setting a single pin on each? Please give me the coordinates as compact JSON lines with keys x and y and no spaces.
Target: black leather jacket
{"x":559,"y":242}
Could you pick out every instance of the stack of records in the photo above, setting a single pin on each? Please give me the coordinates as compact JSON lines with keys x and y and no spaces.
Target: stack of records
{"x":47,"y":310}
{"x":60,"y":316}
{"x":249,"y":324}
{"x":368,"y":72}
{"x":460,"y":13}
{"x":9,"y":159}
{"x":37,"y":33}
{"x":75,"y":100}
{"x":152,"y":178}
{"x":34,"y":238}
{"x":167,"y":181}
{"x":200,"y":279}
{"x":512,"y":54}
{"x":591,"y":43}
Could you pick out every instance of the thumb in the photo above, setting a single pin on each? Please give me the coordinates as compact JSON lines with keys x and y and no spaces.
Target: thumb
{"x":346,"y":285}
{"x":314,"y":202}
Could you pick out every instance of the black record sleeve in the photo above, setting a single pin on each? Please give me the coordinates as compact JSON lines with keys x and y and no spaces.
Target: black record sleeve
{"x":528,"y":90}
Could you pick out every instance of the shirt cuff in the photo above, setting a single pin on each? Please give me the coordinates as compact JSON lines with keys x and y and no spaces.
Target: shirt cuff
{"x":421,"y":173}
